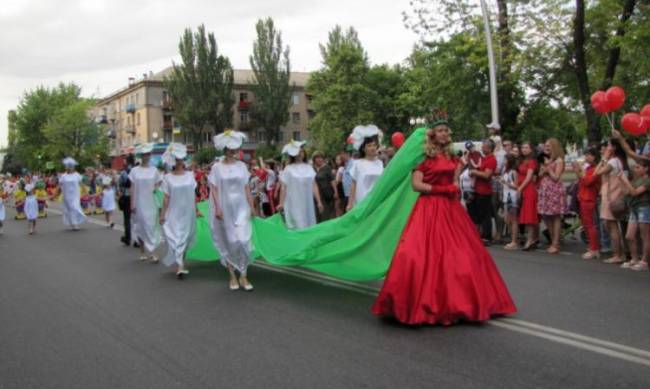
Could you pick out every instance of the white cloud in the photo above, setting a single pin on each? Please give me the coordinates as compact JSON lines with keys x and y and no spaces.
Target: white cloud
{"x":99,"y":43}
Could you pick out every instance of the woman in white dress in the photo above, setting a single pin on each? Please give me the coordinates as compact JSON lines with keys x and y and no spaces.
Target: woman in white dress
{"x":69,"y":184}
{"x":368,"y":168}
{"x":231,"y":209}
{"x":108,"y":198}
{"x":298,"y":189}
{"x":144,"y":207}
{"x":3,"y":195}
{"x":31,"y":207}
{"x":178,"y":214}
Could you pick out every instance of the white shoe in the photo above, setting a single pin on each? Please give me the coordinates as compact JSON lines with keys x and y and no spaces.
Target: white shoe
{"x":154,"y":259}
{"x":247,"y":286}
{"x":143,"y":257}
{"x":233,"y":285}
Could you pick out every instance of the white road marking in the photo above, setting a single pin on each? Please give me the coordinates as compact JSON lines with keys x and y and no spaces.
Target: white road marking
{"x":583,"y":342}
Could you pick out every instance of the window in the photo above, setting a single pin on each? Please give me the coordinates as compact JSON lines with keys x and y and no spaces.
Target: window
{"x":295,"y":117}
{"x":243,"y":97}
{"x":281,"y":136}
{"x":311,"y":114}
{"x":296,"y":135}
{"x":296,"y":99}
{"x":137,"y":119}
{"x":243,"y":117}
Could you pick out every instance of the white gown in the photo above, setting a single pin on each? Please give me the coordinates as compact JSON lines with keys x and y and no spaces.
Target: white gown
{"x":299,"y":210}
{"x":365,"y":173}
{"x":108,"y":199}
{"x":232,"y":235}
{"x":180,"y":219}
{"x":146,"y":228}
{"x":73,"y":215}
{"x":31,"y":207}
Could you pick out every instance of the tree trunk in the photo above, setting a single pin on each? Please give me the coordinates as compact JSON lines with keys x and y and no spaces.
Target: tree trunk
{"x":593,"y":133}
{"x":507,"y":91}
{"x":615,"y":52}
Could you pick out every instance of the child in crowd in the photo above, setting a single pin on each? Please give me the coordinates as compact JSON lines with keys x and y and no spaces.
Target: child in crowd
{"x":588,"y":189}
{"x":511,"y":200}
{"x":639,"y":219}
{"x":31,"y":207}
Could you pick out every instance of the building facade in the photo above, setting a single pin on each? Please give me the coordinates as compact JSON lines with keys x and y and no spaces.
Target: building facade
{"x":143,"y":112}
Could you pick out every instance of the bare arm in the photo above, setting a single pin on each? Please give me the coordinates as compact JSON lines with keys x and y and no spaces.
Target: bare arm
{"x":527,"y":180}
{"x":556,"y":174}
{"x":626,"y":147}
{"x":214,"y":194}
{"x":251,"y":202}
{"x":283,"y":195}
{"x":486,"y":175}
{"x":418,"y":184}
{"x":353,"y":191}
{"x":632,"y":191}
{"x":319,"y":203}
{"x":603,"y":168}
{"x":163,"y":211}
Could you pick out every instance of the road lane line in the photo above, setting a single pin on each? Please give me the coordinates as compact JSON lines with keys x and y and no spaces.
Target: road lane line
{"x":599,"y":346}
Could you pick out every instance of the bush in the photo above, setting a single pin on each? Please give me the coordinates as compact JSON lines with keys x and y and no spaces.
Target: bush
{"x":206,"y":155}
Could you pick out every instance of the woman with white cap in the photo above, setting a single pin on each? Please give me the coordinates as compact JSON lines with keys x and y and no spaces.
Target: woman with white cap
{"x":108,"y":197}
{"x":298,"y":189}
{"x":31,"y":207}
{"x":178,"y":214}
{"x":144,"y":208}
{"x":69,"y":184}
{"x":231,"y":209}
{"x":366,"y":170}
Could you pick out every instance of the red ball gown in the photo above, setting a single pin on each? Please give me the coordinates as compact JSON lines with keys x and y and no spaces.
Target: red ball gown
{"x":441,"y":272}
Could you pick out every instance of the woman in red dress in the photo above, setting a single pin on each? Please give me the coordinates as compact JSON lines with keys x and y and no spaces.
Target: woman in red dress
{"x":441,"y":272}
{"x":527,"y":189}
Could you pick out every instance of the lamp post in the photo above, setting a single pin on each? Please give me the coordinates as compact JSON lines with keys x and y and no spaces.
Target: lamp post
{"x":494,"y":103}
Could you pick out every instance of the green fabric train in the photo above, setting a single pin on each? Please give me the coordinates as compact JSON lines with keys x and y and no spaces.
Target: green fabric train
{"x":357,"y":246}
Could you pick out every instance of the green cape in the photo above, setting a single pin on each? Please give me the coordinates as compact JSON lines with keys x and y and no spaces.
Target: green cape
{"x":358,"y":246}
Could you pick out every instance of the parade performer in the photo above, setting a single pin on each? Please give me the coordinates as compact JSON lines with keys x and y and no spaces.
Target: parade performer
{"x":69,"y":184}
{"x":178,"y":214}
{"x":298,"y":189}
{"x":367,"y":169}
{"x":19,"y":201}
{"x":108,"y":198}
{"x":144,"y":207}
{"x":441,"y":272}
{"x":3,"y":197}
{"x":231,"y":208}
{"x":41,"y":196}
{"x":31,"y":207}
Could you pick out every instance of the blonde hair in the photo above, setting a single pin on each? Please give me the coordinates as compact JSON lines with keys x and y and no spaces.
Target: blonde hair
{"x":431,"y":149}
{"x":557,"y":151}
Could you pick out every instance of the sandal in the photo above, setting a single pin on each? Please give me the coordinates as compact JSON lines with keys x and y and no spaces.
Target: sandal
{"x":552,"y":250}
{"x":641,"y":266}
{"x":591,"y":255}
{"x":629,"y":264}
{"x":511,"y":246}
{"x":614,"y":260}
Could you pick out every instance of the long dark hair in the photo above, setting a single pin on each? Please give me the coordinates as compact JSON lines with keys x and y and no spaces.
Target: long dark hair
{"x":619,"y":153}
{"x":370,"y":139}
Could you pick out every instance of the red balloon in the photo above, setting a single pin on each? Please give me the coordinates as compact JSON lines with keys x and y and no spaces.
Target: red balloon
{"x":633,"y":124}
{"x":397,"y":139}
{"x":645,"y":111}
{"x":615,"y":98}
{"x":599,"y":102}
{"x":350,"y":140}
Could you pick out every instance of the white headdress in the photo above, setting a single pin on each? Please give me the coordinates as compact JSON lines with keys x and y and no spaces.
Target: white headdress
{"x":69,"y":162}
{"x":145,"y":148}
{"x":29,"y":187}
{"x":360,"y":133}
{"x":174,"y":151}
{"x":229,"y":139}
{"x":292,"y":148}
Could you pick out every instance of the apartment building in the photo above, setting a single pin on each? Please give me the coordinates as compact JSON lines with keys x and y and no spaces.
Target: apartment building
{"x":143,"y":112}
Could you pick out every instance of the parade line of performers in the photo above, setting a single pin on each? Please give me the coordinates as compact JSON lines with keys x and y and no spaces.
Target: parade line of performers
{"x":404,"y":222}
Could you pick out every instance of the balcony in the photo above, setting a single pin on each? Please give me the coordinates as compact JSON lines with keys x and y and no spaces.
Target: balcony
{"x":166,"y":104}
{"x":244,"y":105}
{"x":130,"y":108}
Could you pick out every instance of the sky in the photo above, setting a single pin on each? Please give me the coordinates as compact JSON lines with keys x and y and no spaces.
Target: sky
{"x":99,"y":44}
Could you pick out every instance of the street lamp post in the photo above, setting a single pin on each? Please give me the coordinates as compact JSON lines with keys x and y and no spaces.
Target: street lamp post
{"x":494,"y":103}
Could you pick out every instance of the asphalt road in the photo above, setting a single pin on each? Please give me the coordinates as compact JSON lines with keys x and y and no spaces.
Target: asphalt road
{"x":78,"y":310}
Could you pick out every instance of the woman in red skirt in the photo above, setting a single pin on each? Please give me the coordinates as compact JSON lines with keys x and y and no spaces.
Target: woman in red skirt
{"x":528,"y":194}
{"x":441,"y":272}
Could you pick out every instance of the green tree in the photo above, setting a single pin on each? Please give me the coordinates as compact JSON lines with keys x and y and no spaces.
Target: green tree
{"x":270,"y":64}
{"x":201,"y":86}
{"x":388,"y":84}
{"x":72,"y":132}
{"x":342,"y":98}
